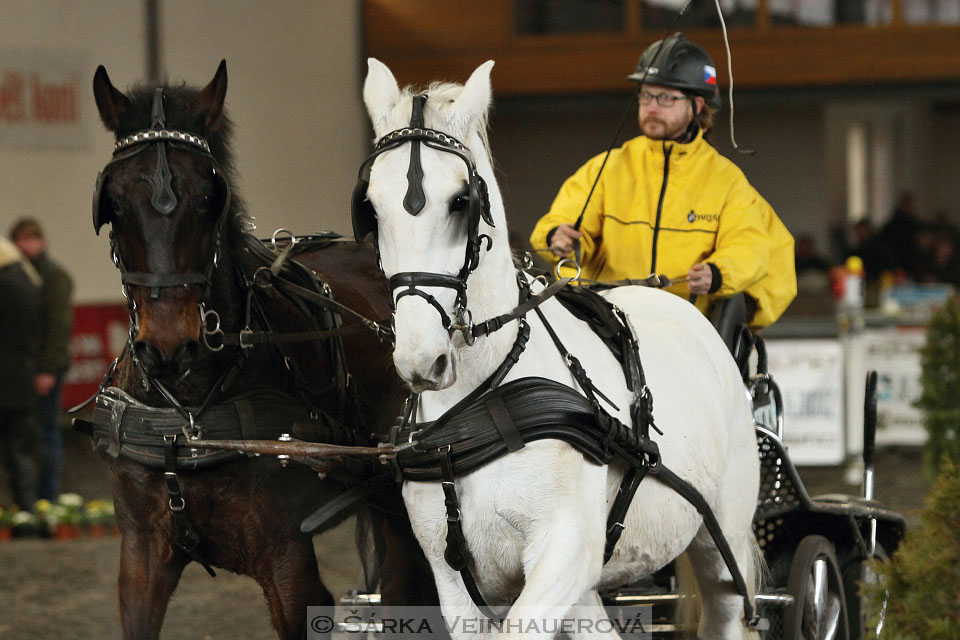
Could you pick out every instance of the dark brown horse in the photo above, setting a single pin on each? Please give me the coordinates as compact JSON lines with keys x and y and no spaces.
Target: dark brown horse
{"x":180,"y":238}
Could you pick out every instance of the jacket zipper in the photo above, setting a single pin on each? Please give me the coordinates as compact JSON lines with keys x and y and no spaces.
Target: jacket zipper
{"x":663,"y":189}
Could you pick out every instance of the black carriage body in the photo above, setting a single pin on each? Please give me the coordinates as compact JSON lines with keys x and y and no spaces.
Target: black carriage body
{"x":786,"y":513}
{"x":785,"y":517}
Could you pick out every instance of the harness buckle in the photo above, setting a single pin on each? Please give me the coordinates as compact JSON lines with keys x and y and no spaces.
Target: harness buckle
{"x":192,"y":431}
{"x":410,"y":438}
{"x":616,"y":525}
{"x":245,"y":338}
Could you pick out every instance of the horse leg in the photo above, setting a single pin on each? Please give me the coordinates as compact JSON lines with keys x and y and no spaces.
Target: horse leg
{"x":466,"y":620}
{"x":405,"y":575}
{"x":291,"y":583}
{"x":149,"y":572}
{"x":589,"y":620}
{"x":721,"y":614}
{"x":721,"y":604}
{"x":563,"y":557}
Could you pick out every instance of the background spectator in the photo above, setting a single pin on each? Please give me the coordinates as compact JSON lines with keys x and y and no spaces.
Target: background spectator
{"x":21,"y":301}
{"x":54,"y":358}
{"x":898,"y":238}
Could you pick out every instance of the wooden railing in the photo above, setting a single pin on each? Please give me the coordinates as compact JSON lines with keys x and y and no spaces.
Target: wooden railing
{"x":423,"y":40}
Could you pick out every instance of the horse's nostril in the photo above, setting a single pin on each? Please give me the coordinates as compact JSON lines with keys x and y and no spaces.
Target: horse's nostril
{"x":186,"y":355}
{"x":191,"y":349}
{"x":439,"y":367}
{"x":146,"y":353}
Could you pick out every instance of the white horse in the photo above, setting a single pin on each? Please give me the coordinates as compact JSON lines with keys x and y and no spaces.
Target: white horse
{"x":534,"y":520}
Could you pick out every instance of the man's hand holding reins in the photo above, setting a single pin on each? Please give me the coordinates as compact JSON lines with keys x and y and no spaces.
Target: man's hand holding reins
{"x":561,"y":242}
{"x":700,"y":278}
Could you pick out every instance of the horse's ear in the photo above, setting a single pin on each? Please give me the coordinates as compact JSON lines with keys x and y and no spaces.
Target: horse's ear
{"x":209,"y":101}
{"x":474,"y":100}
{"x":381,"y":93}
{"x":110,"y":102}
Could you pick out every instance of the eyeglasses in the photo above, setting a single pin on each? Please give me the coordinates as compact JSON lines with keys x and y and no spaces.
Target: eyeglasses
{"x":663,"y":99}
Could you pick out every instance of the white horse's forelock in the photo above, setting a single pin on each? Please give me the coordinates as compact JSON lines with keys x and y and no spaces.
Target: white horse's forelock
{"x":438,"y":115}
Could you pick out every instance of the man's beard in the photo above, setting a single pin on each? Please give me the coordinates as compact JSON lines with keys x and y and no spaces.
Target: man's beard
{"x":662,"y":130}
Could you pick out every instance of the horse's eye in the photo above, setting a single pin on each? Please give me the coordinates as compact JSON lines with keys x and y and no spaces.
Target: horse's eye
{"x":459,"y":204}
{"x":206,"y":202}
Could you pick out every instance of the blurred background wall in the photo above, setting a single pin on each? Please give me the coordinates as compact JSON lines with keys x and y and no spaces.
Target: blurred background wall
{"x":891,"y":94}
{"x":293,"y":94}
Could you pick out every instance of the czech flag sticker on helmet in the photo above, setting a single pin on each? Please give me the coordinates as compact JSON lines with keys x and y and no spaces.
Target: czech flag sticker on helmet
{"x":709,"y":74}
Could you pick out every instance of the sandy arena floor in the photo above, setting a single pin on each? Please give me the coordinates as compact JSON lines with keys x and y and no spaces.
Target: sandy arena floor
{"x":57,"y":589}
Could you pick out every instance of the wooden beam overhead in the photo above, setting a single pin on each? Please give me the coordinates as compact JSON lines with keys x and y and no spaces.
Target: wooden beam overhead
{"x":424,"y":40}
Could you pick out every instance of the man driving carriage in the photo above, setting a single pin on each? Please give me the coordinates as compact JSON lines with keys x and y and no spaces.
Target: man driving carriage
{"x":668,"y":203}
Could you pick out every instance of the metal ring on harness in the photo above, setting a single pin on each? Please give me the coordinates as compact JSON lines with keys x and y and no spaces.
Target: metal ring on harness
{"x":263,"y":282}
{"x":206,"y":331}
{"x":273,"y":239}
{"x":562,"y":263}
{"x":464,"y":325}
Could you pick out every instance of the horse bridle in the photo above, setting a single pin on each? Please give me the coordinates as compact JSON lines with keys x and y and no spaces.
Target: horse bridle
{"x":364,"y":216}
{"x":163,"y":199}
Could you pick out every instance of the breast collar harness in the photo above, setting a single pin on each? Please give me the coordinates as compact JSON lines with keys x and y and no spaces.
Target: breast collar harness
{"x":163,"y":199}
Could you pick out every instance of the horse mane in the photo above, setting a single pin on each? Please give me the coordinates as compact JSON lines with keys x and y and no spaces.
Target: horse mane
{"x":179,"y":117}
{"x":441,"y":95}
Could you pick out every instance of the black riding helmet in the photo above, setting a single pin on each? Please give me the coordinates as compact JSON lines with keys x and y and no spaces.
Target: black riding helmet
{"x":681,"y":64}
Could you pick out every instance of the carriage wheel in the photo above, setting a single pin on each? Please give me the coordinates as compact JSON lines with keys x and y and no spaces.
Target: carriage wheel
{"x":819,"y":609}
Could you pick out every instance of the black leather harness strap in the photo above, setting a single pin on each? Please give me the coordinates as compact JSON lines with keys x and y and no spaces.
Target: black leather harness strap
{"x":457,"y":554}
{"x":532,"y":302}
{"x":345,"y":502}
{"x":694,"y":497}
{"x":618,"y":511}
{"x":184,"y":535}
{"x":504,"y":423}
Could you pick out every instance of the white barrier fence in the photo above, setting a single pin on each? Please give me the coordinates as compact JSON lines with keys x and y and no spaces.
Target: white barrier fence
{"x":822,"y":382}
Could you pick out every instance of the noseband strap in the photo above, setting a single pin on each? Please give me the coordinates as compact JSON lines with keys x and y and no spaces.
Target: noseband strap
{"x":412,"y":279}
{"x":163,"y":279}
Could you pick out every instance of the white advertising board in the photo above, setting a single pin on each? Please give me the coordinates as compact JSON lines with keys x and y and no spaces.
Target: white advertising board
{"x":43,"y":95}
{"x":810,"y":376}
{"x":895,"y":355}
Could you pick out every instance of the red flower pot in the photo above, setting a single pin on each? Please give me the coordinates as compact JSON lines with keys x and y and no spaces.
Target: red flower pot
{"x":65,"y":532}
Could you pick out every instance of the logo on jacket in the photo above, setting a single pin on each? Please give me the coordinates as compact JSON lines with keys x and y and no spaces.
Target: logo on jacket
{"x":693,"y":216}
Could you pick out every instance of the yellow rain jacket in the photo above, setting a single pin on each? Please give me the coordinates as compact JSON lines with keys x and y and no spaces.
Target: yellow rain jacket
{"x":661,"y":207}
